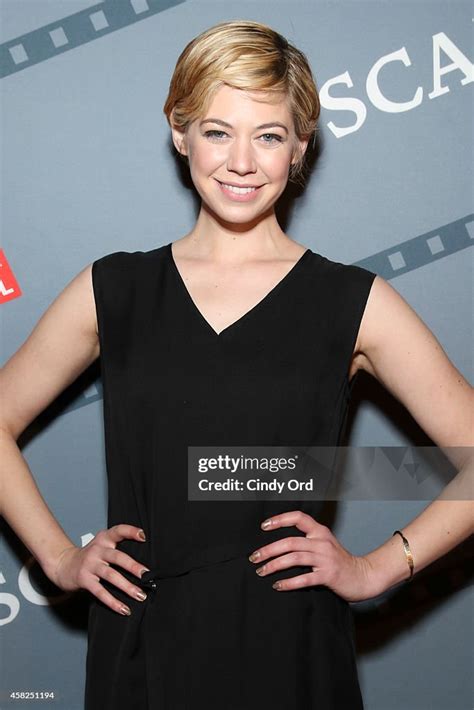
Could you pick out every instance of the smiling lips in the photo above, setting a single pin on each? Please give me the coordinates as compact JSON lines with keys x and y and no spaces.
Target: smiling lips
{"x":239,"y":193}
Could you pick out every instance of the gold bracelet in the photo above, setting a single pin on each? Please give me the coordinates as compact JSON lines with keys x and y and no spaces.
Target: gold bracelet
{"x":408,"y":553}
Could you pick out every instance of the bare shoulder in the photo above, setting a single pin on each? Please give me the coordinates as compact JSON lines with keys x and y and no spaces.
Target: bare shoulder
{"x":62,"y":344}
{"x":86,"y":301}
{"x":77,"y":299}
{"x":380,"y":295}
{"x":397,"y":347}
{"x":388,"y":317}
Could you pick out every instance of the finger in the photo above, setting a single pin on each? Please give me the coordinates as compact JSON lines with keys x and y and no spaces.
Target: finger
{"x":304,"y":522}
{"x":293,"y":559}
{"x":109,"y":600}
{"x":119,"y":532}
{"x":121,"y":559}
{"x":302,"y":580}
{"x":279,"y":547}
{"x":114,"y":577}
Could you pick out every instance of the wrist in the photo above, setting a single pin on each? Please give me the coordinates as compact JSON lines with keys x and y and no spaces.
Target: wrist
{"x":50,"y":566}
{"x":388,"y":564}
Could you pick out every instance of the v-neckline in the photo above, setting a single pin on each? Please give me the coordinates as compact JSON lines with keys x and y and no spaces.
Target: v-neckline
{"x":268,"y":296}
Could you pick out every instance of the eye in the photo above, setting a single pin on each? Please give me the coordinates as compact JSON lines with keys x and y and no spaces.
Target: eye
{"x":216,"y":135}
{"x":273,"y":136}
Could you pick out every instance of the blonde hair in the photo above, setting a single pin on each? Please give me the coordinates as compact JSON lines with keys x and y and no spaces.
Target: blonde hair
{"x":249,"y":56}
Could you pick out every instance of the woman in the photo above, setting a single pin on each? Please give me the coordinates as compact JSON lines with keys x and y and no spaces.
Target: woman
{"x":233,"y":335}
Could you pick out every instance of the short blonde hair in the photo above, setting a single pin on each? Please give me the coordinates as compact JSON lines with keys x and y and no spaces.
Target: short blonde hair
{"x":249,"y":56}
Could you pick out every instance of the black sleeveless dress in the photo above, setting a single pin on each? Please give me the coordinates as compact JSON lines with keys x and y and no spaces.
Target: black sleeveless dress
{"x":212,"y":634}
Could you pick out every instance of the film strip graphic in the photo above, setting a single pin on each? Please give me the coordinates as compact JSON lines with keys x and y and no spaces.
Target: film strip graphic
{"x":389,"y":263}
{"x":75,"y":30}
{"x":422,"y":250}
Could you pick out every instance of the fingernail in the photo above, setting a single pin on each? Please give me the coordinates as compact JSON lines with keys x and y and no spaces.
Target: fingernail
{"x":125,"y":610}
{"x":266,"y":524}
{"x":260,"y":570}
{"x":254,"y":556}
{"x":141,"y":535}
{"x":276,"y":585}
{"x":141,"y":596}
{"x":142,"y":571}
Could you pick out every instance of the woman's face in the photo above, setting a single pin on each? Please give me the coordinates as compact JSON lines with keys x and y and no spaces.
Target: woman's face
{"x":240,"y":142}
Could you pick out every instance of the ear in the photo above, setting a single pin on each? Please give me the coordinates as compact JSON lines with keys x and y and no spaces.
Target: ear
{"x":179,"y":140}
{"x":299,"y":150}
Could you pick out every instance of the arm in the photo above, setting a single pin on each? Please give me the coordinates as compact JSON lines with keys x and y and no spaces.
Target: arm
{"x":63,"y":343}
{"x":397,"y":348}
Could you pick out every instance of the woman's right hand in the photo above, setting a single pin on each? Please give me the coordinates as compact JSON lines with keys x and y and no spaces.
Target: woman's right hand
{"x":84,"y":567}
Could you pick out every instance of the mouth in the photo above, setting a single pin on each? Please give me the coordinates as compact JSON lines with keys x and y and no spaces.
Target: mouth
{"x":239,"y":193}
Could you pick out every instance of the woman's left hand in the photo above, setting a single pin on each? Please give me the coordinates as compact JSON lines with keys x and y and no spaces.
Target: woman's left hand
{"x":350,"y":576}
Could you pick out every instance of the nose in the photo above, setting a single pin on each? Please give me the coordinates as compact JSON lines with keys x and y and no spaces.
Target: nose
{"x":241,"y":159}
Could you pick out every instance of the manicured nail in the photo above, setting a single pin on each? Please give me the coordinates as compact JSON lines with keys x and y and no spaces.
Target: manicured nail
{"x":267,"y":523}
{"x":260,"y":569}
{"x":276,"y":585}
{"x":125,"y":610}
{"x":141,"y":535}
{"x":141,"y":596}
{"x":254,"y":556}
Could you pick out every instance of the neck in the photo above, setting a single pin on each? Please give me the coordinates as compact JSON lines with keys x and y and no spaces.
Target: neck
{"x":262,"y":237}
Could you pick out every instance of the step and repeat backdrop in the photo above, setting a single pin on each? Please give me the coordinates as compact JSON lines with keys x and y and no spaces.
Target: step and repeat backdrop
{"x":88,"y":168}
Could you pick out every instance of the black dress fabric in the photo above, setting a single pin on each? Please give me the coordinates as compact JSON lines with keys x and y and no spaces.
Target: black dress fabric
{"x":213,"y":634}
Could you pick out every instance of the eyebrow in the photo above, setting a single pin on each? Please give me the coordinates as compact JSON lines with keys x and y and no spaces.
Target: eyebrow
{"x":273,"y":124}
